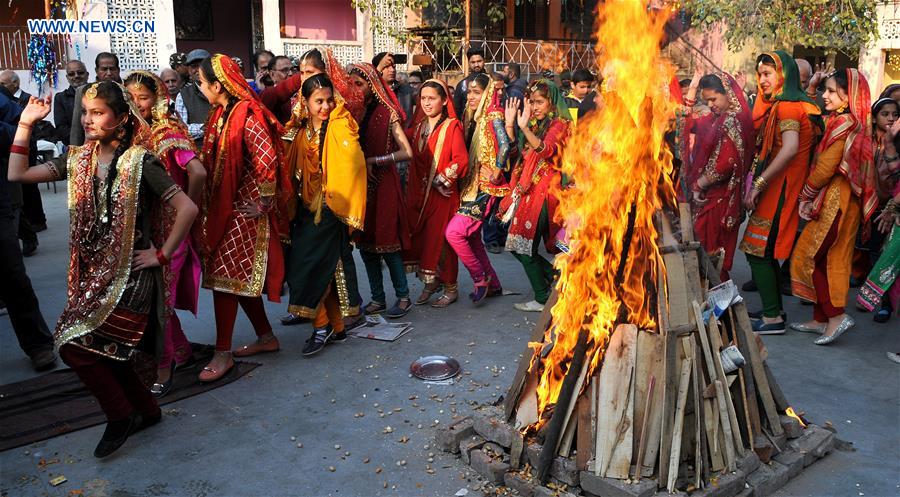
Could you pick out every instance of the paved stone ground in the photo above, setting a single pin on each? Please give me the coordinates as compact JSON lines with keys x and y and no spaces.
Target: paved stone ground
{"x":236,"y":440}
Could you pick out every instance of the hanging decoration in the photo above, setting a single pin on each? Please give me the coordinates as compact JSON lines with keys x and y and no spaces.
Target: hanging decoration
{"x":42,"y":62}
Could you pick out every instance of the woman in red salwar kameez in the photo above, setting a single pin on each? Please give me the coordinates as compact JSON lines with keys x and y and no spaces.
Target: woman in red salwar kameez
{"x":721,"y":157}
{"x":245,"y":210}
{"x":439,"y":159}
{"x":167,"y":136}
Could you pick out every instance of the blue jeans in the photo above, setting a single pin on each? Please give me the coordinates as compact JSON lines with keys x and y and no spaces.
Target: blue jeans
{"x":394,"y":262}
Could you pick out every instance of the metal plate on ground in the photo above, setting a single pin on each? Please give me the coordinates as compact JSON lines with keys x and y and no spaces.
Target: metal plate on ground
{"x":434,"y":367}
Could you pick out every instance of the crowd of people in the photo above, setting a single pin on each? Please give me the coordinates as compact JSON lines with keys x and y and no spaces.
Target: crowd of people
{"x":198,"y":176}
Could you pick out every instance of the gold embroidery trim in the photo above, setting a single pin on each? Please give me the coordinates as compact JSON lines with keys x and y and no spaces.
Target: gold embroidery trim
{"x":789,"y":125}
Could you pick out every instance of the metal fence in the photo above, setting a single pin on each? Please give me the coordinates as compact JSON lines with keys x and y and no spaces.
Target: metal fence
{"x":533,"y":55}
{"x":14,"y":47}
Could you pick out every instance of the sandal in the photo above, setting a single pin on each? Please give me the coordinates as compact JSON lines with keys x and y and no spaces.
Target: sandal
{"x":264,"y":346}
{"x":445,"y":300}
{"x":375,"y":308}
{"x":481,"y":291}
{"x":427,"y":292}
{"x":210,"y":374}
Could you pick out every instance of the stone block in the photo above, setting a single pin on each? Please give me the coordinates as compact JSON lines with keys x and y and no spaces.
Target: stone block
{"x":564,"y":470}
{"x":520,"y":483}
{"x":767,"y":479}
{"x":467,"y":445}
{"x":448,"y":437}
{"x":813,"y":444}
{"x":792,"y":460}
{"x":748,"y":463}
{"x":532,"y":452}
{"x":547,"y":492}
{"x":495,"y":430}
{"x":610,"y":487}
{"x":488,"y":467}
{"x":747,"y":492}
{"x":495,"y":451}
{"x":791,"y":426}
{"x":725,"y":485}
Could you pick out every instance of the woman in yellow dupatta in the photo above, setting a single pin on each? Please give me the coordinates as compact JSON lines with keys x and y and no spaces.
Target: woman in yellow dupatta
{"x":330,"y":169}
{"x":838,"y":195}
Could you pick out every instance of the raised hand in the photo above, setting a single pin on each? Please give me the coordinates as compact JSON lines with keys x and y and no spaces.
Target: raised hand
{"x":37,"y":109}
{"x":509,"y":113}
{"x":822,"y":71}
{"x":524,"y":115}
{"x":740,"y":78}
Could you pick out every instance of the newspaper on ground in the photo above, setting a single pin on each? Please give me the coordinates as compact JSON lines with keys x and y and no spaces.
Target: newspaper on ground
{"x":376,"y":327}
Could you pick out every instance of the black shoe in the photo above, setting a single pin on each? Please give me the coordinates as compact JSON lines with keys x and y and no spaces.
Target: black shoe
{"x":159,"y":390}
{"x":759,"y":314}
{"x":749,"y":286}
{"x":29,"y":248}
{"x":338,"y":337}
{"x":856,"y":282}
{"x":43,"y":360}
{"x":494,"y":248}
{"x":397,"y":311}
{"x":117,"y":432}
{"x":291,"y":319}
{"x":317,"y":340}
{"x":883,"y":313}
{"x":763,"y":328}
{"x":188,"y":364}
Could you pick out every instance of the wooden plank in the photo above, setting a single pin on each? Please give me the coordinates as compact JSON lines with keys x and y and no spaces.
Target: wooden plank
{"x":711,"y":423}
{"x":687,"y":223}
{"x":569,"y":423}
{"x":670,"y":384}
{"x":699,"y":460}
{"x":675,"y":456}
{"x":615,"y":398}
{"x":730,"y":458}
{"x":742,"y":323}
{"x":537,"y":334}
{"x":649,"y":365}
{"x":526,"y":413}
{"x":716,"y":342}
{"x":750,"y":403}
{"x":639,"y":468}
{"x":584,"y":433}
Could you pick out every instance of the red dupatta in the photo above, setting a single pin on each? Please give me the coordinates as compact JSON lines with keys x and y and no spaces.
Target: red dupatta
{"x":857,"y":163}
{"x":223,"y":155}
{"x":735,"y":124}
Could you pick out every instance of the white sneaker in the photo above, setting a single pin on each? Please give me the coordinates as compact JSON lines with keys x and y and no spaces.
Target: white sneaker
{"x":532,"y":306}
{"x":894,"y":357}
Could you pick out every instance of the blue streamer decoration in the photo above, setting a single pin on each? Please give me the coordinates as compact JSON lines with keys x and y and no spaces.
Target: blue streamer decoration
{"x":42,"y":62}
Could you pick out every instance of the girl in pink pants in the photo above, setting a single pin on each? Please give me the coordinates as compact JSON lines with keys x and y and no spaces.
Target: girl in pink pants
{"x":483,"y":185}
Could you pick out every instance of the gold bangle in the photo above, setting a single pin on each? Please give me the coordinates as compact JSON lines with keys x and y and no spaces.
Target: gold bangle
{"x":760,"y":183}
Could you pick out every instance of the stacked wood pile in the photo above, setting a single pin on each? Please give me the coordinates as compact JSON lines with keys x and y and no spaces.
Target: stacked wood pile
{"x":661,"y":412}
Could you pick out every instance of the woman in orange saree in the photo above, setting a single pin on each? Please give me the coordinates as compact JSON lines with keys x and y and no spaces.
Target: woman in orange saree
{"x":439,"y":159}
{"x":837,"y":197}
{"x":784,"y":135}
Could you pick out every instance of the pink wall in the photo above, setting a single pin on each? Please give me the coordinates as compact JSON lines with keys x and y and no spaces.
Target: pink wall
{"x":319,"y":19}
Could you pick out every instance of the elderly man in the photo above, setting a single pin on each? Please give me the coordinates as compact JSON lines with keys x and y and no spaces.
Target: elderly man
{"x":172,"y":80}
{"x":106,"y":67}
{"x":64,"y":101}
{"x":190,"y":103}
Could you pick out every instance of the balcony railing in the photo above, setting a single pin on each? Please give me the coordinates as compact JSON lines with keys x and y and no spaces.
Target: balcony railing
{"x":533,"y":55}
{"x":14,"y":47}
{"x":345,"y":51}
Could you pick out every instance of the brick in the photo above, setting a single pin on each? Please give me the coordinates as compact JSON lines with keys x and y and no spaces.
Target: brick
{"x":448,"y":438}
{"x":748,"y":463}
{"x":793,"y":461}
{"x":725,"y":485}
{"x":564,"y":470}
{"x":467,"y":445}
{"x":610,"y":487}
{"x":791,"y":426}
{"x":532,"y":452}
{"x":516,"y":451}
{"x":813,"y":444}
{"x":747,"y":492}
{"x":495,"y":451}
{"x":496,"y":430}
{"x":767,"y":479}
{"x":546,"y":492}
{"x":488,"y":467}
{"x":520,"y":483}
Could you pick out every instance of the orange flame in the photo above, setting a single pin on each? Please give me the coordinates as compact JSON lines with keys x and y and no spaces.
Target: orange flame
{"x":621,"y":168}
{"x":790,"y":412}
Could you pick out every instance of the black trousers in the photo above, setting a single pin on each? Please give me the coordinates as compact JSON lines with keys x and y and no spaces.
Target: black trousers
{"x":32,"y":204}
{"x":16,"y":291}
